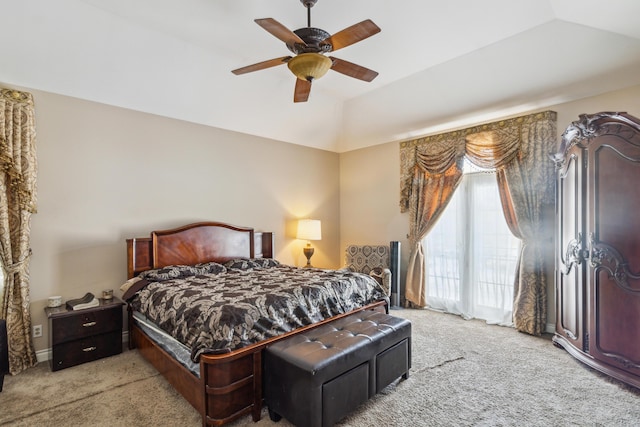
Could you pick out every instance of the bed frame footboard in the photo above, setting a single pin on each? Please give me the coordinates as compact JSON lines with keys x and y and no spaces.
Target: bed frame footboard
{"x":232,"y":387}
{"x":230,"y":384}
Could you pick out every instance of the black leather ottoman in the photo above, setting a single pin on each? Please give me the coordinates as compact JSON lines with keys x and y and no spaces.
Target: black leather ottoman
{"x":318,"y":377}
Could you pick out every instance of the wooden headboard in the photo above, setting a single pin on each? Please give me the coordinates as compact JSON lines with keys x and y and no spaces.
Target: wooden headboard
{"x":195,"y":243}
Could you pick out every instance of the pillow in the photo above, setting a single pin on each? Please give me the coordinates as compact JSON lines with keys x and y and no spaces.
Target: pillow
{"x":182,"y":271}
{"x":250,"y":263}
{"x":126,"y":285}
{"x":266,"y":262}
{"x":131,"y":287}
{"x":165,"y":273}
{"x":211,"y":268}
{"x":241,"y":264}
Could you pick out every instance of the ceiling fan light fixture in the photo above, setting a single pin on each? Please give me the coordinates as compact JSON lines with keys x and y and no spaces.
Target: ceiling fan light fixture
{"x":309,"y":66}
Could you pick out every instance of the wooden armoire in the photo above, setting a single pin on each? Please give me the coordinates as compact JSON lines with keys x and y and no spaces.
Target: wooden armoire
{"x":598,"y":244}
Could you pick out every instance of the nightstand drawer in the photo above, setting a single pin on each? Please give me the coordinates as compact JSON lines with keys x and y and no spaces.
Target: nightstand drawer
{"x":86,"y":349}
{"x":84,"y":324}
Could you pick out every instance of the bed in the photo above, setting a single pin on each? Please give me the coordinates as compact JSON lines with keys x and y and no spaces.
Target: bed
{"x":226,"y":381}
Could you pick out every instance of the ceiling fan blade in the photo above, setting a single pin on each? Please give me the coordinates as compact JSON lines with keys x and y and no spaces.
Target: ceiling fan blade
{"x":352,"y":70}
{"x":351,"y":35}
{"x":301,"y":94}
{"x":279,"y":30}
{"x":262,"y":65}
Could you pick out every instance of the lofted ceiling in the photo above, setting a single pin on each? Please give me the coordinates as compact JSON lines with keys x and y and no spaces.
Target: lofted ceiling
{"x":441,"y":64}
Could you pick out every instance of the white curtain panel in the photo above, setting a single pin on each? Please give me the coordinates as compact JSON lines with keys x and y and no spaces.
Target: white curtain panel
{"x":472,"y":255}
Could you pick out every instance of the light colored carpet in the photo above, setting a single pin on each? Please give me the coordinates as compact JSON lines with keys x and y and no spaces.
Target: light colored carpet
{"x":464,"y":373}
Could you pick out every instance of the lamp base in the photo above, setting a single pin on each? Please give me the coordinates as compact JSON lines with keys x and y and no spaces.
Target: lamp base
{"x":308,"y":252}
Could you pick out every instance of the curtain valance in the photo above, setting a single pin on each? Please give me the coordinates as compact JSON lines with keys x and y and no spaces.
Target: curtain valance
{"x":491,"y":145}
{"x":17,"y":136}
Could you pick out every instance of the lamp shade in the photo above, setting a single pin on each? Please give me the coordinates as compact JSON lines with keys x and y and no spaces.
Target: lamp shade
{"x":309,"y":229}
{"x":309,"y":66}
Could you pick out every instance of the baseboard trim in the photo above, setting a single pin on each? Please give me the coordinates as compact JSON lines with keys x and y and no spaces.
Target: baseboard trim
{"x":45,"y":355}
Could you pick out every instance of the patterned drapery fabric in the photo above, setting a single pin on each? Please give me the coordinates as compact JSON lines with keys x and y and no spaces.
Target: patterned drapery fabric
{"x":431,"y":169}
{"x":17,"y":202}
{"x":430,"y":193}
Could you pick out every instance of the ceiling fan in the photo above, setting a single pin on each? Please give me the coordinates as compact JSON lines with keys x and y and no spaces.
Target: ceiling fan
{"x":309,"y":45}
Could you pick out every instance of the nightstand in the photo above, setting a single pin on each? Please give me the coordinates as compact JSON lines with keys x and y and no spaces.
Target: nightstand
{"x":79,"y":336}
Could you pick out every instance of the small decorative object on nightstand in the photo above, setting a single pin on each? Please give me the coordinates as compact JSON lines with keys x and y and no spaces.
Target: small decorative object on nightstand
{"x":79,"y":336}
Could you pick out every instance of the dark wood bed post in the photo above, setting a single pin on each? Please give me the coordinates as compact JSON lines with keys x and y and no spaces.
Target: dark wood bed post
{"x":263,"y":244}
{"x":138,"y":256}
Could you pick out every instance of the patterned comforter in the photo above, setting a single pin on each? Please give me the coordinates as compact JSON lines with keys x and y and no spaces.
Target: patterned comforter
{"x":211,"y":307}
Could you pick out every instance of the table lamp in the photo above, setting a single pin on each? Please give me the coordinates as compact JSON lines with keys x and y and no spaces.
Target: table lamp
{"x":309,"y":229}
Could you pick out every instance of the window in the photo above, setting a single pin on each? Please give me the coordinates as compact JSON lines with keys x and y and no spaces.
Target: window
{"x":471,"y":255}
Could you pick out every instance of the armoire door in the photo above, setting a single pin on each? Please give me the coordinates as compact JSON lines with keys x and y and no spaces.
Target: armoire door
{"x":613,"y":279}
{"x":570,"y":264}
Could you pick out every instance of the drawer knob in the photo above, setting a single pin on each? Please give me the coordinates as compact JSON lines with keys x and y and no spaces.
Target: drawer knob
{"x":87,"y":349}
{"x":88,"y":324}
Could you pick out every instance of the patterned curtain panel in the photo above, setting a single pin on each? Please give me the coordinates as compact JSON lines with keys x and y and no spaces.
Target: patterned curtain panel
{"x":17,"y":202}
{"x":527,"y":190}
{"x":436,"y":171}
{"x":518,"y":148}
{"x":430,"y":196}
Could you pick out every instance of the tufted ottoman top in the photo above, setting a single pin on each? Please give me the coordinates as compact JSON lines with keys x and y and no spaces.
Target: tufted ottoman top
{"x":332,"y":349}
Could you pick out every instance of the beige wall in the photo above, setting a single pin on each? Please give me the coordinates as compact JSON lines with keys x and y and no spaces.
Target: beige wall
{"x":370,"y":183}
{"x":107,"y":173}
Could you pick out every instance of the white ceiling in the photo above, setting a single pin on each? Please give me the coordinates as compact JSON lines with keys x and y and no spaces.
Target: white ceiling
{"x":442,"y":64}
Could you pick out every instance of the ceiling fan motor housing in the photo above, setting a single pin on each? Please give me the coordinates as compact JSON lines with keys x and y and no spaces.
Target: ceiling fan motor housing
{"x":313,"y":38}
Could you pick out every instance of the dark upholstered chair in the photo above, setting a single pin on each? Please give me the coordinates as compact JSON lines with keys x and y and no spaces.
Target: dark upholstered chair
{"x":372,"y":260}
{"x":4,"y":352}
